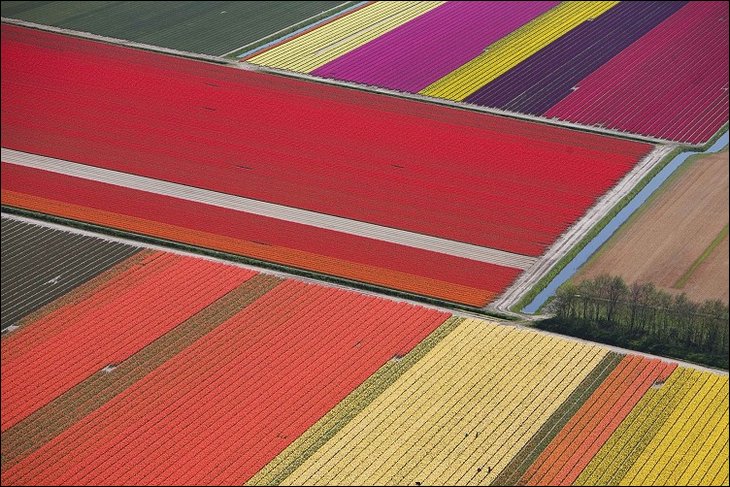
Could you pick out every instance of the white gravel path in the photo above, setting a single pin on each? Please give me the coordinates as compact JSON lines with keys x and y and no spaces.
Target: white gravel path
{"x":271,"y":210}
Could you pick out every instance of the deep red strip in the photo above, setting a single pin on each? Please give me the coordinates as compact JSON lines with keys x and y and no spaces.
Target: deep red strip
{"x":452,"y":173}
{"x":268,"y":232}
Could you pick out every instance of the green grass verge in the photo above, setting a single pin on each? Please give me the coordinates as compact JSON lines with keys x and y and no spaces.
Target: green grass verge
{"x":331,"y":423}
{"x":699,"y":260}
{"x":530,"y":295}
{"x":255,"y":262}
{"x":292,"y":28}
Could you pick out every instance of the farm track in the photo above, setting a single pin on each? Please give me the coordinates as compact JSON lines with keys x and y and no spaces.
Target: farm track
{"x":40,"y":266}
{"x":687,"y":213}
{"x":407,"y":173}
{"x":577,"y":232}
{"x":262,"y":208}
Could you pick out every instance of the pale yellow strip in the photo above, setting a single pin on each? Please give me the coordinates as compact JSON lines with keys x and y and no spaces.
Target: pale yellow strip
{"x":635,"y":432}
{"x":702,"y":440}
{"x":695,"y":430}
{"x":511,"y":50}
{"x":320,"y":46}
{"x":659,"y":453}
{"x":320,"y":464}
{"x":709,"y":454}
{"x":484,"y":390}
{"x":450,"y":430}
{"x":378,"y":427}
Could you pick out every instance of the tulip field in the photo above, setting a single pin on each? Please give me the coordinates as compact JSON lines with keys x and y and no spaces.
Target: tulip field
{"x":171,"y":369}
{"x":593,"y":63}
{"x":472,"y":178}
{"x":491,"y":405}
{"x":294,"y":253}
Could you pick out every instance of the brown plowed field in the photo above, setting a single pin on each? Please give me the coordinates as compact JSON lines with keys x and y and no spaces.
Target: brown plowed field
{"x":662,"y":241}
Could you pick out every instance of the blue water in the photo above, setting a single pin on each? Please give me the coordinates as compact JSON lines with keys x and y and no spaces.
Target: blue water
{"x":615,"y":223}
{"x":308,"y":26}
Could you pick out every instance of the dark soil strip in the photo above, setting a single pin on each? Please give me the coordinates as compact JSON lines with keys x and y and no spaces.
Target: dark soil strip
{"x":55,"y":417}
{"x":41,"y":264}
{"x":517,"y":467}
{"x":83,"y":291}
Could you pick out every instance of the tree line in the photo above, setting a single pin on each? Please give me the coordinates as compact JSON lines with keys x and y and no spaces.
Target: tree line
{"x":639,"y":315}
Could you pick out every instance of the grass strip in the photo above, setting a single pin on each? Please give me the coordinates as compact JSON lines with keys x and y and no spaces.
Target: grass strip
{"x":527,"y":455}
{"x":55,"y":417}
{"x":331,"y":423}
{"x":699,"y":260}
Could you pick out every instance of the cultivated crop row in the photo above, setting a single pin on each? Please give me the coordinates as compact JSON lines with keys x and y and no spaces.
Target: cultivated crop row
{"x":30,"y":279}
{"x":576,"y":444}
{"x":509,"y":52}
{"x":416,"y":54}
{"x":470,"y":407}
{"x":445,"y":420}
{"x":690,"y":103}
{"x":226,"y":405}
{"x":535,"y":85}
{"x":45,"y":358}
{"x":592,"y":63}
{"x":317,"y":47}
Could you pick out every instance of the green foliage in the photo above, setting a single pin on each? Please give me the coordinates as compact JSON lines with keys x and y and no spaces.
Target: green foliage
{"x":641,"y":317}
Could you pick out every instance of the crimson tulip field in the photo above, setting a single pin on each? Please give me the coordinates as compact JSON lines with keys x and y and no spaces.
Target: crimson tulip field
{"x":485,"y":180}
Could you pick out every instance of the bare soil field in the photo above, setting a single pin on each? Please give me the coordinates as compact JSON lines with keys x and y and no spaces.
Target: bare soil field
{"x":679,"y":239}
{"x":42,"y":264}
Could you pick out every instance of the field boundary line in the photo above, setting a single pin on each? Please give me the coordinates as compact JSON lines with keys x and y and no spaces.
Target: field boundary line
{"x":298,"y":452}
{"x":270,"y":210}
{"x":460,"y":105}
{"x":120,"y":42}
{"x":73,"y":226}
{"x":702,"y":257}
{"x":283,"y":34}
{"x":279,"y":270}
